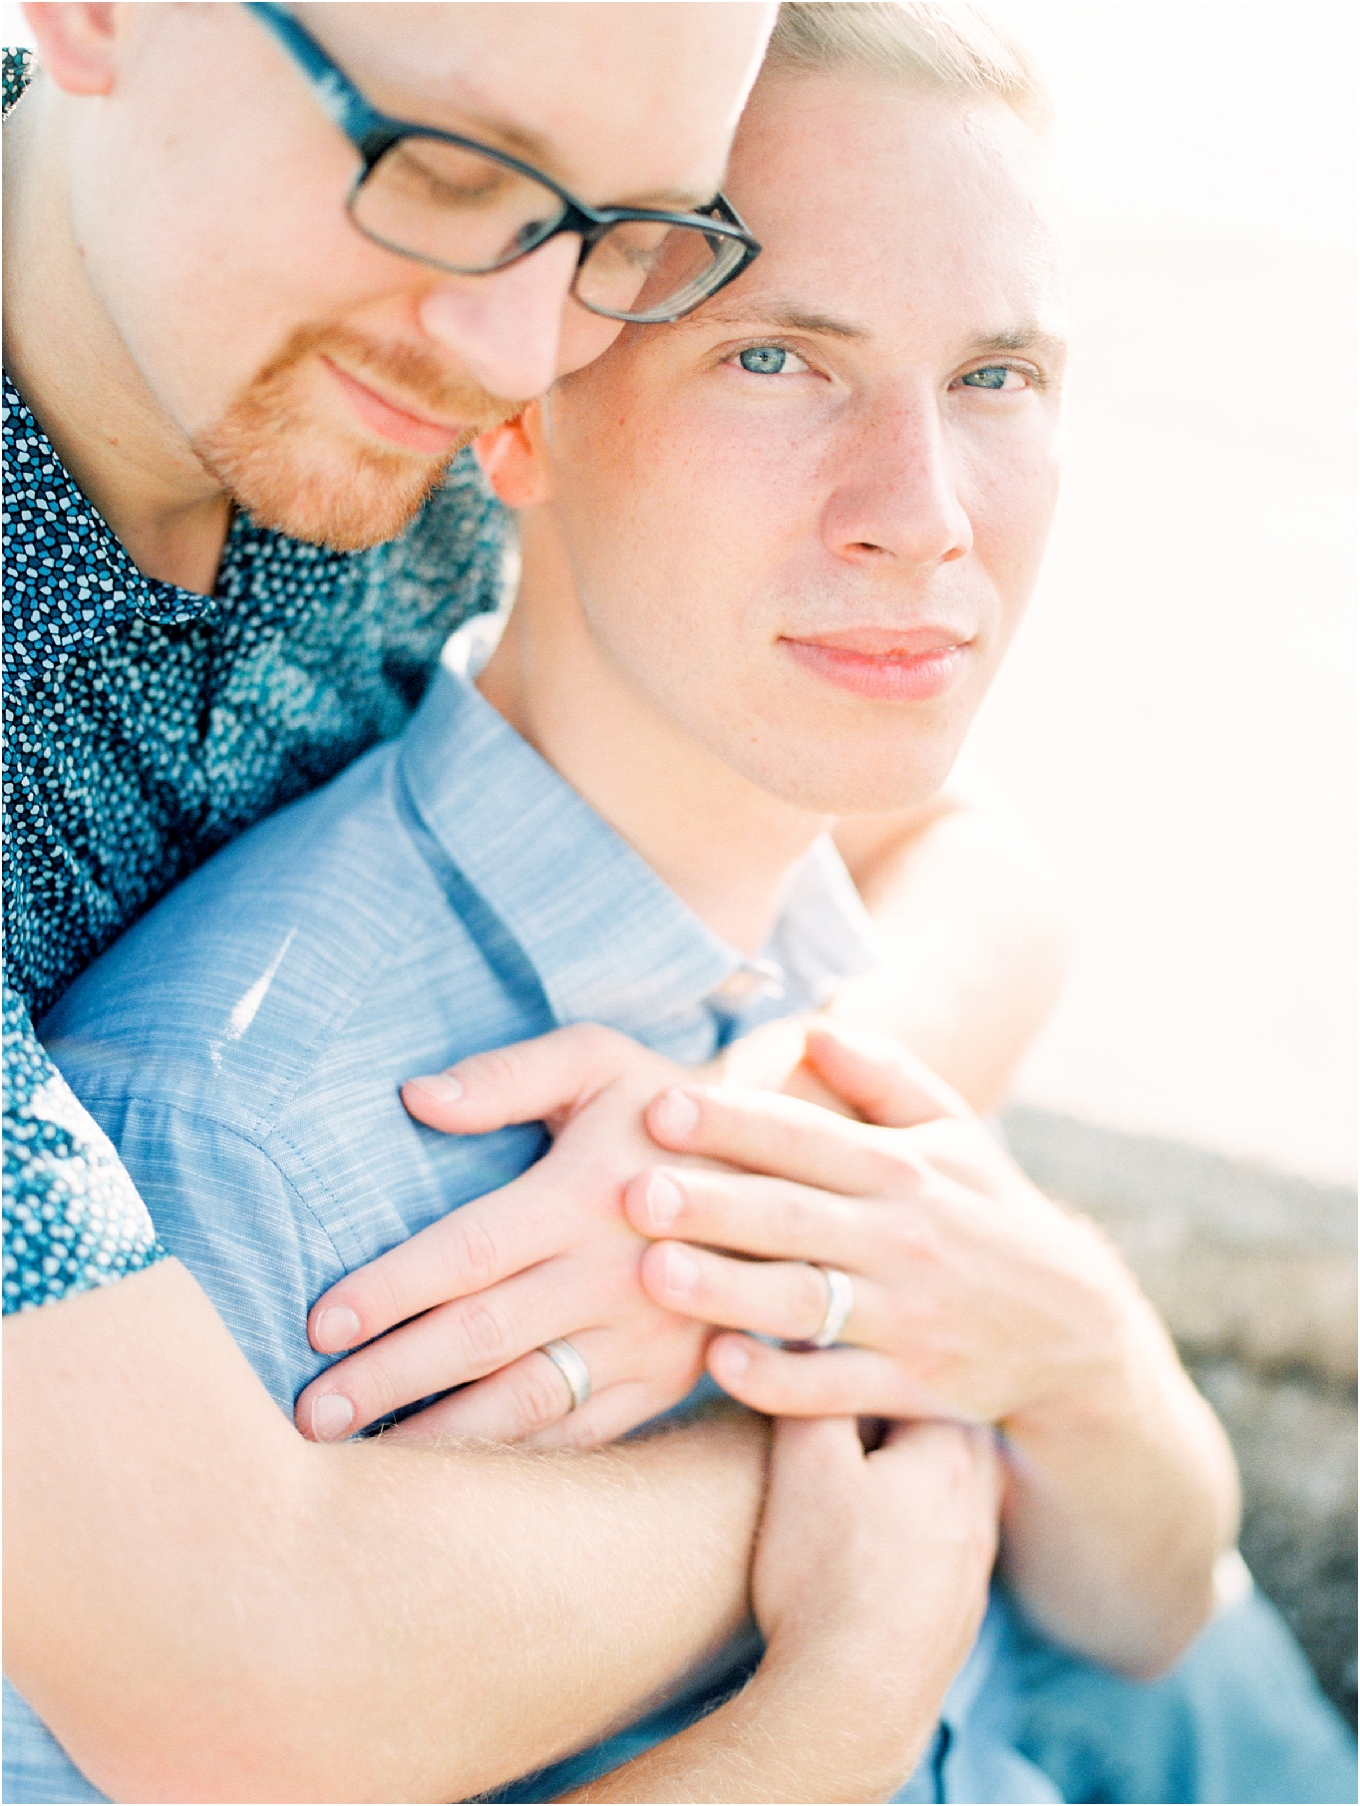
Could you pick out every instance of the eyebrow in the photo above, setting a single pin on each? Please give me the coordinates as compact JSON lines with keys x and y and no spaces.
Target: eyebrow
{"x":1021,"y":338}
{"x":783,"y":316}
{"x":787,"y":316}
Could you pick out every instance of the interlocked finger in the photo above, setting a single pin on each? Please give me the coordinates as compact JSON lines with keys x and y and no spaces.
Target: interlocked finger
{"x":767,"y":1132}
{"x":529,"y":1401}
{"x":787,"y":1299}
{"x":472,"y":1248}
{"x":448,"y":1346}
{"x":749,"y":1214}
{"x":834,"y":1382}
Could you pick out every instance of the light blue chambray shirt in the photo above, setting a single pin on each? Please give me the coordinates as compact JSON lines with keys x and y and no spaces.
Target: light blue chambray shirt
{"x":243,"y":1045}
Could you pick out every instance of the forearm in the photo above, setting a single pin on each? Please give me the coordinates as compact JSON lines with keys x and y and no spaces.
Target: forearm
{"x":870,"y":1582}
{"x":204,"y":1606}
{"x":1117,"y":1507}
{"x":793,"y":1734}
{"x":974,"y":941}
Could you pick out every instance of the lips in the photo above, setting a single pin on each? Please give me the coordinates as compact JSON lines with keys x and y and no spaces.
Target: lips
{"x":413,"y":432}
{"x":886,"y":664}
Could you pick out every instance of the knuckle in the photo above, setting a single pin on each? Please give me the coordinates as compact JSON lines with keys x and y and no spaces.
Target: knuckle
{"x":602,"y":1053}
{"x":793,"y":1218}
{"x":380,"y":1304}
{"x":473,"y":1252}
{"x":910,"y":1237}
{"x":375,"y":1388}
{"x":809,"y":1288}
{"x":498,"y":1069}
{"x":590,"y":1039}
{"x":538,"y":1396}
{"x":479,"y":1333}
{"x":901,"y":1165}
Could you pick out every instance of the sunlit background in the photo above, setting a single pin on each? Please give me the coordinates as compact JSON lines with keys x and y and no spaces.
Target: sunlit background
{"x":1177,"y":718}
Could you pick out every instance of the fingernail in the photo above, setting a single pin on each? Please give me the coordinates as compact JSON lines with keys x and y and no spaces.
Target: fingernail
{"x":332,"y":1414}
{"x":441,"y":1086}
{"x":682,"y":1271}
{"x":676,"y":1114}
{"x":733,"y":1358}
{"x":664,"y":1200}
{"x":336,"y":1327}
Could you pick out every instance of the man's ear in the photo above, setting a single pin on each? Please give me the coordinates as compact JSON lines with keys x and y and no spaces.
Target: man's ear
{"x":75,"y":45}
{"x":512,"y":459}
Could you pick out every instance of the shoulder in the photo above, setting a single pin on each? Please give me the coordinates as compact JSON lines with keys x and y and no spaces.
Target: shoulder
{"x":72,"y":1217}
{"x":223,"y":999}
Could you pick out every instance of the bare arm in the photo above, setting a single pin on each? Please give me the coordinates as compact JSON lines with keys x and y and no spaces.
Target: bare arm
{"x":974,"y":937}
{"x":870,"y":1580}
{"x":202,"y":1605}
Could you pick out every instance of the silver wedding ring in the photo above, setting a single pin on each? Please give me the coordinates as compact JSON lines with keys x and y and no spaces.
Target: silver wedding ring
{"x":840,"y":1299}
{"x":574,"y":1370}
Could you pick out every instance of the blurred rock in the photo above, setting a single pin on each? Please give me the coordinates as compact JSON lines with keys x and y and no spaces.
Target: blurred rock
{"x":1255,"y":1272}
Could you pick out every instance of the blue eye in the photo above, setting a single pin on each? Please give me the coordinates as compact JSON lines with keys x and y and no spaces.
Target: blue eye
{"x":992,"y":377}
{"x":763,"y":360}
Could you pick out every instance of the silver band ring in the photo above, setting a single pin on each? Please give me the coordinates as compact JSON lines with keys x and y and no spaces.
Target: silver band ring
{"x":840,"y":1300}
{"x":573,"y":1369}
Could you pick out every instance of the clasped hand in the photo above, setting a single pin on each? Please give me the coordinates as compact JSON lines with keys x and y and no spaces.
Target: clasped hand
{"x":976,"y":1298}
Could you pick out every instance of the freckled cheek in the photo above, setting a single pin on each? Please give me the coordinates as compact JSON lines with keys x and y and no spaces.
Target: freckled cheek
{"x":1011,"y":509}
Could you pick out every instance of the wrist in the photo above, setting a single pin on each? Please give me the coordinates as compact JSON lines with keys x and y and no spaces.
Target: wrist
{"x":1104,"y":1348}
{"x":1122,"y":1368}
{"x":857,"y":1726}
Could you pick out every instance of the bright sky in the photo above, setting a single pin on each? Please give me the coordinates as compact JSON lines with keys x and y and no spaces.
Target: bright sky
{"x":1235,"y":118}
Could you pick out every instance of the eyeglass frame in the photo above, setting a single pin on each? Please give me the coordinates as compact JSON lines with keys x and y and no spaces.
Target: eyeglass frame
{"x":373,"y":134}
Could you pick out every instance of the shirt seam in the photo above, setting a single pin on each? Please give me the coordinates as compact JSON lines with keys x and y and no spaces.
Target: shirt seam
{"x":180,"y":1115}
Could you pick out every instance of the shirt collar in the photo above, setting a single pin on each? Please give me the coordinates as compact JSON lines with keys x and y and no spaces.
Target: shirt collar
{"x":69,"y":578}
{"x":42,"y":497}
{"x":607,"y":940}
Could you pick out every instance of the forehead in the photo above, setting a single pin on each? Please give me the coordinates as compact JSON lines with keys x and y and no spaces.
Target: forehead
{"x":584,"y":90}
{"x":879,"y":201}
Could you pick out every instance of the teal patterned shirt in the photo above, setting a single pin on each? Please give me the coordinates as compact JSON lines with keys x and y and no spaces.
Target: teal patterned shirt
{"x":145,"y":727}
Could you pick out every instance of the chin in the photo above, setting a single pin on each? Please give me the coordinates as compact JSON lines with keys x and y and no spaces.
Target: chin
{"x":827,"y":770}
{"x":293,"y":468}
{"x":346,"y":499}
{"x":820,"y":790}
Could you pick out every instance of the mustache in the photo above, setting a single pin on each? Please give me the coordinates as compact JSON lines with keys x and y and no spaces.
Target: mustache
{"x":410,"y":373}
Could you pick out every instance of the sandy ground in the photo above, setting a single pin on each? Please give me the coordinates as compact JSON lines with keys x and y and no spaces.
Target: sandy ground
{"x":1177,"y":717}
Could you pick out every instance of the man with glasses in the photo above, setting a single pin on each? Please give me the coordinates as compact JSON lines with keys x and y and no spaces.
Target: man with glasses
{"x":668,"y":704}
{"x":239,"y":359}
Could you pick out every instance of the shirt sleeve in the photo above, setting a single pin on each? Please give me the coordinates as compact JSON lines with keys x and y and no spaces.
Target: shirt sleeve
{"x":73,"y":1219}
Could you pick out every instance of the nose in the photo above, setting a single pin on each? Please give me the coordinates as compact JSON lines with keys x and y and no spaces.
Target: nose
{"x":897,"y":490}
{"x":505,"y":329}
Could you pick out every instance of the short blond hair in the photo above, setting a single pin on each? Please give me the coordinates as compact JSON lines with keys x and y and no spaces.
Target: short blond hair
{"x":954,"y":49}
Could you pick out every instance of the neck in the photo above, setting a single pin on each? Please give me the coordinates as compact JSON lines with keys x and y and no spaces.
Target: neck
{"x":724,"y":846}
{"x":73,"y":369}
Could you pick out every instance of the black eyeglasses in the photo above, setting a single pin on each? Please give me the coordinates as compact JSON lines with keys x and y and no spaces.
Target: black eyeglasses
{"x":466,"y":208}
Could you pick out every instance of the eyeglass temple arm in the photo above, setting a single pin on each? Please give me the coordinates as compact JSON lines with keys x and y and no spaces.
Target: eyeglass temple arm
{"x":339,"y":99}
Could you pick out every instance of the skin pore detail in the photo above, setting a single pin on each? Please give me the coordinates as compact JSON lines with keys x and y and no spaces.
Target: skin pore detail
{"x":772,"y":559}
{"x":260,"y":350}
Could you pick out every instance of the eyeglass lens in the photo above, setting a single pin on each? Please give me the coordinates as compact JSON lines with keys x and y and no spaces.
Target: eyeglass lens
{"x":468,"y":213}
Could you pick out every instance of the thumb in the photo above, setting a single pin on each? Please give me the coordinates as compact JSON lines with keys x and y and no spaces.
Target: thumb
{"x":529,"y":1081}
{"x":878,"y":1077}
{"x":814,"y":1449}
